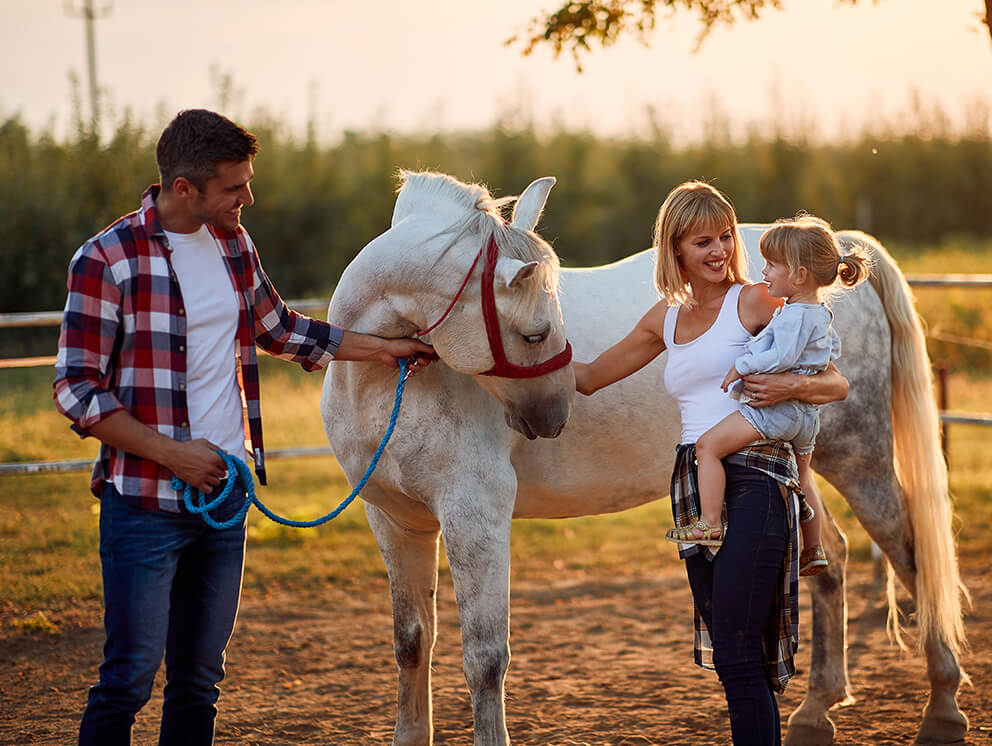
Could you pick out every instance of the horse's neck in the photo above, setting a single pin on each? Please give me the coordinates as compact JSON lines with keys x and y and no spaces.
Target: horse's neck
{"x":385,"y":289}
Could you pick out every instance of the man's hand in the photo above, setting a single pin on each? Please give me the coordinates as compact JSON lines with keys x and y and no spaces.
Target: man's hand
{"x":198,"y":463}
{"x":418,"y":355}
{"x":370,"y":348}
{"x":732,"y":375}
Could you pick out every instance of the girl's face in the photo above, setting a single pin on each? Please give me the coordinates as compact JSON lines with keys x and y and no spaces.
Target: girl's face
{"x":704,"y":254}
{"x":781,"y":283}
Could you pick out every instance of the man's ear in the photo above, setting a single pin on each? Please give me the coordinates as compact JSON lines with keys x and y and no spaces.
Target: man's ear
{"x":183,"y":187}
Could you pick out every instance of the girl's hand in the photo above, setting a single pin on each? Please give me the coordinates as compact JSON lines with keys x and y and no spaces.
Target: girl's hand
{"x":732,"y":375}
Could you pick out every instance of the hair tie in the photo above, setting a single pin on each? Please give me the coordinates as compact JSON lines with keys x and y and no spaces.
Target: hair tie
{"x":843,"y":259}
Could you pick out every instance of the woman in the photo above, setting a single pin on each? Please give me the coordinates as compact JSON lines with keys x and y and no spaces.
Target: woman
{"x":744,"y":593}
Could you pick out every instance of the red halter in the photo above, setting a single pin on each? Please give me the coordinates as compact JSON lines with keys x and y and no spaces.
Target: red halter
{"x":502,"y":367}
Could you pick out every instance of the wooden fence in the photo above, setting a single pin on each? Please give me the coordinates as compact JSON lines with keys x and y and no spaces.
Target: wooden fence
{"x":54,"y":318}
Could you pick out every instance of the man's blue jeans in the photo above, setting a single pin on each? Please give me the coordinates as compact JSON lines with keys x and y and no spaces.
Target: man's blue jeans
{"x":171,"y":584}
{"x":735,"y":595}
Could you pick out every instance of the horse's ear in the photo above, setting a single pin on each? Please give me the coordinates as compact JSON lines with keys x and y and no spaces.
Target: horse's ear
{"x":529,"y":206}
{"x":513,"y":271}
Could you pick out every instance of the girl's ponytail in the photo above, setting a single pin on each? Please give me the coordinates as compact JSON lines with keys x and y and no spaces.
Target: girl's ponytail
{"x":854,"y":266}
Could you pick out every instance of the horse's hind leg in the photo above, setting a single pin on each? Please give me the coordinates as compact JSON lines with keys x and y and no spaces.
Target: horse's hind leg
{"x":810,"y":725}
{"x":411,"y":561}
{"x":943,"y":721}
{"x":875,"y":496}
{"x":477,"y":542}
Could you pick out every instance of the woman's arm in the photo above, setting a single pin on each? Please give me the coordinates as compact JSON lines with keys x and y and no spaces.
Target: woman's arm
{"x":642,"y":345}
{"x":772,"y":388}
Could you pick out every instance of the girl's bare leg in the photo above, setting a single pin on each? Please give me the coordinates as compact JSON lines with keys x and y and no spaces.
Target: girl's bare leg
{"x":730,"y":434}
{"x":810,"y":529}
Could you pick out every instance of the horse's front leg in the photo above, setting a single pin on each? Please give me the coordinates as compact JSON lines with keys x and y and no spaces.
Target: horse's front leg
{"x":411,"y":561}
{"x":810,"y":725}
{"x":477,"y":540}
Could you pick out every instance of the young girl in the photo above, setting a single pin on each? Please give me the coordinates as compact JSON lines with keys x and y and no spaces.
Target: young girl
{"x":802,"y":261}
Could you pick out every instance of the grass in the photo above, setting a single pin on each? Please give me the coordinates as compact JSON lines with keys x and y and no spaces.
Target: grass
{"x":48,"y":523}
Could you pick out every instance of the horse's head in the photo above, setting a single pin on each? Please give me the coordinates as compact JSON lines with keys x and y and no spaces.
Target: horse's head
{"x":533,"y":382}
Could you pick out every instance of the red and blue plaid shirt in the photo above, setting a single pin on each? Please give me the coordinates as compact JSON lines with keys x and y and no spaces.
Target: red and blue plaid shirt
{"x":123,"y":344}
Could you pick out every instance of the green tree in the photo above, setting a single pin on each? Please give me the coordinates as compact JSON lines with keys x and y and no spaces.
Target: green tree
{"x":577,"y":24}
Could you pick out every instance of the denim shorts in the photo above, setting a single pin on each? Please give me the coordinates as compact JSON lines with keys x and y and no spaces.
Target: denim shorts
{"x":790,"y":420}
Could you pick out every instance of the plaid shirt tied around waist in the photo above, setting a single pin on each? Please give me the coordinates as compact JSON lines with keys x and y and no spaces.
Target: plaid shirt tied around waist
{"x":123,"y":341}
{"x":776,"y":460}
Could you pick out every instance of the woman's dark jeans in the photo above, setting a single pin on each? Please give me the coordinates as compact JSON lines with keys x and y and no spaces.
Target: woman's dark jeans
{"x":170,"y":584}
{"x":734,"y":595}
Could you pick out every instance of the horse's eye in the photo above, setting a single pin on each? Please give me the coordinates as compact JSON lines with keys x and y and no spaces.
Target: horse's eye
{"x":533,"y":339}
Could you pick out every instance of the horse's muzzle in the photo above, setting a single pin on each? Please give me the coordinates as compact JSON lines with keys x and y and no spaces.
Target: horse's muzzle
{"x":544,"y":420}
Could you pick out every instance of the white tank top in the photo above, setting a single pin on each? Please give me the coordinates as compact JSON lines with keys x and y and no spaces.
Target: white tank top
{"x":696,"y":369}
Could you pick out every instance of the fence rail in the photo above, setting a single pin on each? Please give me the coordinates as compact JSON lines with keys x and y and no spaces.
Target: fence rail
{"x":54,"y":318}
{"x":83,"y":464}
{"x":310,"y":305}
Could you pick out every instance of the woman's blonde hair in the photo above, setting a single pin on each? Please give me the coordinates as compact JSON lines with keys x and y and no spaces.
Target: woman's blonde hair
{"x":692,"y":206}
{"x":808,"y":241}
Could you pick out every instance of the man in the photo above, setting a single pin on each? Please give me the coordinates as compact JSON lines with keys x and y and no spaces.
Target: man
{"x":157,"y":360}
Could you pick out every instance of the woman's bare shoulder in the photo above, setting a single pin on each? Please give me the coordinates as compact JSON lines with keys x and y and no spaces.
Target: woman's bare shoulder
{"x":756,"y":306}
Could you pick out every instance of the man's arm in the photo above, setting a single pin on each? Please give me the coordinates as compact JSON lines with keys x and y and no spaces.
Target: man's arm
{"x":369,"y":348}
{"x":772,"y":388}
{"x":196,"y":462}
{"x":86,"y":347}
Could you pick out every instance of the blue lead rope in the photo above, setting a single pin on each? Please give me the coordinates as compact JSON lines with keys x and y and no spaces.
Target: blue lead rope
{"x":239,"y":472}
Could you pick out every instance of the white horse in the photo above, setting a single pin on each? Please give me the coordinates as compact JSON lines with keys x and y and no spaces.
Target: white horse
{"x":471,"y":451}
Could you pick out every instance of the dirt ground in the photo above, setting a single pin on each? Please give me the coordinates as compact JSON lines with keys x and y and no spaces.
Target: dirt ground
{"x":597,"y":661}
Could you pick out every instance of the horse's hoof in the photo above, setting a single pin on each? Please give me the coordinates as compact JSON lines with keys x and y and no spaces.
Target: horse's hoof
{"x":806,"y":735}
{"x":947,"y":731}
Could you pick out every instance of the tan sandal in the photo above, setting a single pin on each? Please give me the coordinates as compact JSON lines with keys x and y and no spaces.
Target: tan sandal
{"x":712,"y":536}
{"x":812,"y":560}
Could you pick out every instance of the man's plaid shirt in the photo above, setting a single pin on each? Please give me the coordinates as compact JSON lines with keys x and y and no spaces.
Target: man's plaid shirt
{"x":123,"y":343}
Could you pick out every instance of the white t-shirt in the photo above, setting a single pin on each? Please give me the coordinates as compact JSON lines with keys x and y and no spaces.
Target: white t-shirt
{"x":212,"y":393}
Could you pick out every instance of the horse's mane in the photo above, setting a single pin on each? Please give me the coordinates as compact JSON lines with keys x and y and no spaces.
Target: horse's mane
{"x":471,"y":209}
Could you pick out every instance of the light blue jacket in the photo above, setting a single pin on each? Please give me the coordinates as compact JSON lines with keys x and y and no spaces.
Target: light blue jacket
{"x":798,"y":338}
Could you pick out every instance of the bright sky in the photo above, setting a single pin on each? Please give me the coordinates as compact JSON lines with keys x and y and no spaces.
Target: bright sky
{"x":441,"y":64}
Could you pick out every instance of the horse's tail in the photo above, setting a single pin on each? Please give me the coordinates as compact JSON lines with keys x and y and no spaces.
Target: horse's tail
{"x":919,"y":462}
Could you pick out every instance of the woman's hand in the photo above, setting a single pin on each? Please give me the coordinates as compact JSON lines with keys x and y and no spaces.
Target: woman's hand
{"x":765,"y":389}
{"x":771,"y":388}
{"x":581,"y":371}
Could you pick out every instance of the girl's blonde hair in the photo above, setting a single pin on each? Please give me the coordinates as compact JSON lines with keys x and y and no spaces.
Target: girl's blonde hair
{"x":692,"y":206}
{"x":808,"y":241}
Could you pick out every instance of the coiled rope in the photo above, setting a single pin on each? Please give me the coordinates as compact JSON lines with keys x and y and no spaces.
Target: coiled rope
{"x":239,"y":473}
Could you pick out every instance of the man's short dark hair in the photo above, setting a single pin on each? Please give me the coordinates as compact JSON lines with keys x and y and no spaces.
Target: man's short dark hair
{"x":195,"y":142}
